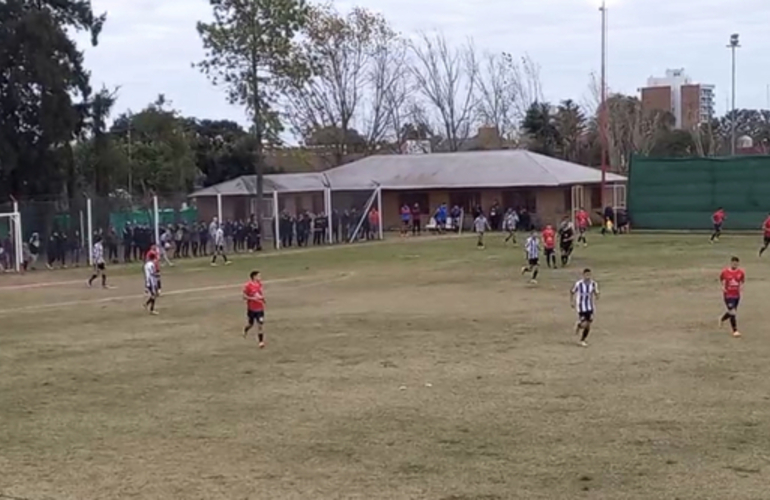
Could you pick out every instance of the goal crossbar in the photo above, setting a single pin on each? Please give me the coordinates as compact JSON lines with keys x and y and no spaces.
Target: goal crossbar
{"x":14,"y":219}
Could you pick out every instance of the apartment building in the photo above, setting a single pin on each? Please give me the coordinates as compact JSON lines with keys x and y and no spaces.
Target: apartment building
{"x":691,"y":103}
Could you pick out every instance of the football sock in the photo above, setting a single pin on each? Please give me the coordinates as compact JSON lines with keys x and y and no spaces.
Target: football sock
{"x":104,"y":280}
{"x":734,"y":322}
{"x":725,"y":316}
{"x":762,"y":250}
{"x":261,"y":337}
{"x":586,"y":331}
{"x":534,"y":274}
{"x":90,"y":281}
{"x":151,"y":303}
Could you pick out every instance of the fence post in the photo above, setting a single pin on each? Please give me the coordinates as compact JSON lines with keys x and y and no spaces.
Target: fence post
{"x":219,"y":208}
{"x":156,"y":217}
{"x":90,"y":225}
{"x":379,"y":211}
{"x":82,"y":231}
{"x":276,"y":222}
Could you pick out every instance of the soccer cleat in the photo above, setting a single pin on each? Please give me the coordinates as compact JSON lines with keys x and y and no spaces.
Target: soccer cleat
{"x":213,"y":264}
{"x":524,"y":270}
{"x":736,"y":334}
{"x":533,"y":282}
{"x":154,"y":313}
{"x":228,"y":263}
{"x":261,"y":345}
{"x":583,"y":343}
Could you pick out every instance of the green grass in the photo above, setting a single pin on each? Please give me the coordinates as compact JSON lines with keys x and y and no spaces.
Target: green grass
{"x":417,"y":369}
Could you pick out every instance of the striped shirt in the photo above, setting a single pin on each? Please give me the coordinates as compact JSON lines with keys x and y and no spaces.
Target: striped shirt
{"x":219,"y":237}
{"x":480,"y":224}
{"x":150,"y":275}
{"x":532,"y":247}
{"x":585,"y":294}
{"x":98,"y":253}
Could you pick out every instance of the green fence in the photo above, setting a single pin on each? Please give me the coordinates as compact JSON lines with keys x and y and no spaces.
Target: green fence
{"x":682,"y":193}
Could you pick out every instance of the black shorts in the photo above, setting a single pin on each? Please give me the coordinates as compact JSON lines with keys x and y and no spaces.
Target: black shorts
{"x":548,"y":252}
{"x":533,"y":262}
{"x":100,"y":267}
{"x":767,"y":240}
{"x":405,"y":223}
{"x":566,"y":247}
{"x":732,"y":302}
{"x":255,"y":317}
{"x":586,"y":316}
{"x":717,"y":227}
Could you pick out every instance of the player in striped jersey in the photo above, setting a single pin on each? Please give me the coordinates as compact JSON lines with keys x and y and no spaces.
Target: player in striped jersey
{"x":532,"y":250}
{"x":151,"y":286}
{"x":219,"y":246}
{"x":583,"y":298}
{"x":97,"y":254}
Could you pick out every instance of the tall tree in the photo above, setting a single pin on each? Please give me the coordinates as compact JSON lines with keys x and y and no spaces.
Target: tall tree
{"x":539,"y":125}
{"x":506,"y":90}
{"x":570,"y":126}
{"x":447,"y":79}
{"x":249,"y":50}
{"x":357,"y":65}
{"x":43,"y":92}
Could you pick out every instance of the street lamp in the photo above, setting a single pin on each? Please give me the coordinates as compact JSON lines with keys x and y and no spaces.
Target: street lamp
{"x":733,"y":45}
{"x":603,"y":106}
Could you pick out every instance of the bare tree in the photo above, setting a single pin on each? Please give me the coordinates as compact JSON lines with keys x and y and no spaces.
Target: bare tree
{"x":632,"y":130}
{"x":506,"y":90}
{"x":447,"y":78}
{"x":356,"y":63}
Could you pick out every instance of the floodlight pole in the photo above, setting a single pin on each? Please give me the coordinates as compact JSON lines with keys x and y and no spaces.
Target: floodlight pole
{"x":17,"y":247}
{"x":156,"y":225}
{"x":603,"y":106}
{"x":733,"y":45}
{"x":90,"y":225}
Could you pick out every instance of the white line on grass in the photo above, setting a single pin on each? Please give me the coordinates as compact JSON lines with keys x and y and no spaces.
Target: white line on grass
{"x":42,"y":307}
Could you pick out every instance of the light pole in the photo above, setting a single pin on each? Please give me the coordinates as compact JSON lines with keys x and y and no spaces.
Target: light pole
{"x":603,"y":122}
{"x":733,"y":45}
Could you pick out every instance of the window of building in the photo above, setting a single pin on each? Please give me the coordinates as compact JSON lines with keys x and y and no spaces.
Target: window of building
{"x":411,"y":198}
{"x":520,"y":199}
{"x":466,"y":200}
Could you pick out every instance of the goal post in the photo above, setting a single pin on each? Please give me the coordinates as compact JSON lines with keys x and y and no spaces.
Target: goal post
{"x":11,"y":244}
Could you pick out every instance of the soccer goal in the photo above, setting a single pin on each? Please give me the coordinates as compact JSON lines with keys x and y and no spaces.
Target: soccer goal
{"x":11,"y":249}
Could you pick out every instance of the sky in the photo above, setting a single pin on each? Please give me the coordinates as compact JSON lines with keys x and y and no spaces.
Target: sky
{"x":148,"y":46}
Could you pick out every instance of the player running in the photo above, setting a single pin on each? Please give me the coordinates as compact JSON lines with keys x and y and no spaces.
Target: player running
{"x":100,"y":267}
{"x":219,"y":246}
{"x":583,"y":297}
{"x":566,"y":240}
{"x":532,"y":251}
{"x":255,"y":307}
{"x":480,"y":225}
{"x":511,"y":223}
{"x":583,"y":220}
{"x":717,"y":219}
{"x":732,"y":279}
{"x":549,"y":245}
{"x":151,"y":286}
{"x":766,"y":229}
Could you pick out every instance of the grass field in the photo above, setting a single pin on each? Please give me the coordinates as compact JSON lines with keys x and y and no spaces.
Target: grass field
{"x":401,"y":370}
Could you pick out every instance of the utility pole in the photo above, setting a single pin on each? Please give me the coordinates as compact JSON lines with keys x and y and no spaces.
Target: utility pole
{"x":734,"y":44}
{"x":603,"y":118}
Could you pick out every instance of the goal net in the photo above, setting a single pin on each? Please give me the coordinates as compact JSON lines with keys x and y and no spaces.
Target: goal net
{"x":11,"y":249}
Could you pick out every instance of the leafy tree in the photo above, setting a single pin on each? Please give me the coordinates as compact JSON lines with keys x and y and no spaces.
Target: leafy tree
{"x":249,"y":47}
{"x":540,"y":126}
{"x":570,"y":124}
{"x":36,"y":127}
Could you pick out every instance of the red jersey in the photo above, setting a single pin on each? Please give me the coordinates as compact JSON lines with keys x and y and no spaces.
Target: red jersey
{"x":153,"y":256}
{"x":582,"y":219}
{"x":718,"y":217}
{"x":766,"y":227}
{"x":549,"y":238}
{"x":732,"y":281}
{"x":253,"y":290}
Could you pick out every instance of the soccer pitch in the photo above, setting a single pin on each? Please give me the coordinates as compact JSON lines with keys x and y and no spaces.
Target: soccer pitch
{"x":402,"y":370}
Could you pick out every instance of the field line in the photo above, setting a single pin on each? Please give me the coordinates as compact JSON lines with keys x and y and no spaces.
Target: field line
{"x":185,"y":291}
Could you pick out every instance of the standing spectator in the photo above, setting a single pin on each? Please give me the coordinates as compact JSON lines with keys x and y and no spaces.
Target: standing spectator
{"x":441,"y":216}
{"x":204,"y":237}
{"x":34,"y":250}
{"x":525,"y":220}
{"x":112,"y":245}
{"x":76,"y":246}
{"x":416,"y":219}
{"x":406,"y":214}
{"x":456,"y":214}
{"x":52,"y":249}
{"x":374,"y":224}
{"x":494,"y":216}
{"x":62,"y":249}
{"x":128,"y":238}
{"x":335,"y":226}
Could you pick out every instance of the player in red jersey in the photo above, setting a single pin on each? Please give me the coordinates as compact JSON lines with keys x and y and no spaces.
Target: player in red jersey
{"x":766,"y":229}
{"x":717,"y":219}
{"x":549,"y":244}
{"x":732,"y":279}
{"x":583,"y":220}
{"x":255,"y":307}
